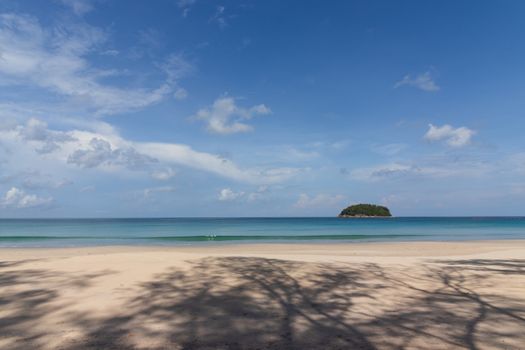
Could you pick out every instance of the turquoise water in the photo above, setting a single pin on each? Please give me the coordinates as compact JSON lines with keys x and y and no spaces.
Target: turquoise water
{"x":180,"y":231}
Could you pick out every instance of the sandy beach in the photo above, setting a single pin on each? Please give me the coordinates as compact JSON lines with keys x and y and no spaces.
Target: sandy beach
{"x":426,"y":295}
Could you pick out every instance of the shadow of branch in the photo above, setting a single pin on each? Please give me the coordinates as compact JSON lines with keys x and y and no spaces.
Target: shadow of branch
{"x":258,"y":303}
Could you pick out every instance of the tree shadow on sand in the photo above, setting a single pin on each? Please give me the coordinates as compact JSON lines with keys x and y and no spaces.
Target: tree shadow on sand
{"x":256,"y":303}
{"x":27,"y":296}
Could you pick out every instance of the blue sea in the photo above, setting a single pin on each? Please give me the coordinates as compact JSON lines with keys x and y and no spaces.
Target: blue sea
{"x":210,"y":231}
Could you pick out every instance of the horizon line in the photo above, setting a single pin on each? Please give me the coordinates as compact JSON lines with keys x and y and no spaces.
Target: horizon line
{"x":254,"y":217}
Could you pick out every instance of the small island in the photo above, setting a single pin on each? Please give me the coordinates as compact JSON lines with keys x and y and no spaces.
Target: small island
{"x":365,"y":211}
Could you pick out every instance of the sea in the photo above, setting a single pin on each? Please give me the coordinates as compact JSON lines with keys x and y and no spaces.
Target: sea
{"x":214,"y":231}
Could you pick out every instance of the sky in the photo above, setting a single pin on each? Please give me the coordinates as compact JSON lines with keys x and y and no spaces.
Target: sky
{"x":190,"y":108}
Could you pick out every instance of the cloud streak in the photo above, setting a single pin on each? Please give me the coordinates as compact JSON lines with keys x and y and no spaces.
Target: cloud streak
{"x":431,"y":170}
{"x":54,"y":59}
{"x":105,"y":149}
{"x":422,"y":81}
{"x":318,"y":201}
{"x":79,"y":7}
{"x":219,"y":16}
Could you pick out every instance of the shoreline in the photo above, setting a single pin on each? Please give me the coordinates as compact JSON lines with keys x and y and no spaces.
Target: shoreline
{"x":394,"y":249}
{"x":285,"y":242}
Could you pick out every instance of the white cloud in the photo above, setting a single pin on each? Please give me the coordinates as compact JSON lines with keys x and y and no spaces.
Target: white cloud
{"x":163,"y":175}
{"x":390,"y":149}
{"x":148,"y":192}
{"x":225,"y":117}
{"x":219,"y":16}
{"x":100,"y":152}
{"x":54,"y":59}
{"x":105,"y":149}
{"x":454,"y":137}
{"x":37,"y":130}
{"x":79,"y":7}
{"x":150,"y":38}
{"x":320,"y":200}
{"x":259,"y":193}
{"x":16,"y":198}
{"x":422,"y":81}
{"x":289,"y":154}
{"x":180,"y":94}
{"x":226,"y":194}
{"x":176,"y":67}
{"x":89,"y":188}
{"x":185,"y":5}
{"x":273,"y":175}
{"x":341,"y":144}
{"x":297,"y":154}
{"x":34,"y":179}
{"x":110,"y":52}
{"x":382,"y":171}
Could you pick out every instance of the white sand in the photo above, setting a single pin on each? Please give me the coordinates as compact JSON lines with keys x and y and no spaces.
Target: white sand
{"x":428,"y":295}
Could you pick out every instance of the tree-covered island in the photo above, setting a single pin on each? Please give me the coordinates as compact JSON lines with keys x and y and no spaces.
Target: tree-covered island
{"x":365,"y":211}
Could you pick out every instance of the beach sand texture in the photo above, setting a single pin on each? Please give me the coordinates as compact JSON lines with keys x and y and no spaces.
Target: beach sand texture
{"x":429,"y":295}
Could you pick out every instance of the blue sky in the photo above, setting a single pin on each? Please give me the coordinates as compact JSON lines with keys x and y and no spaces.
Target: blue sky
{"x":261,"y":108}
